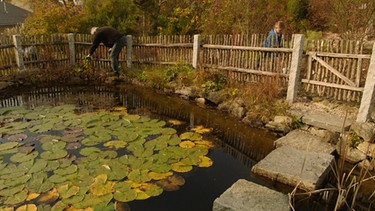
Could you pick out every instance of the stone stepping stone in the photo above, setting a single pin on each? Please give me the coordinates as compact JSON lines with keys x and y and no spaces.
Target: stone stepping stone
{"x":244,"y":195}
{"x":326,"y":121}
{"x":293,"y":167}
{"x":305,"y":141}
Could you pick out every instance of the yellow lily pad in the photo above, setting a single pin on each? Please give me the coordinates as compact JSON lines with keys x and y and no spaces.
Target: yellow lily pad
{"x":27,"y":207}
{"x":48,"y":197}
{"x":187,"y":144}
{"x":201,"y":129}
{"x":176,"y":122}
{"x":115,"y":144}
{"x":181,"y":167}
{"x":159,"y":176}
{"x":101,"y":186}
{"x":205,"y":161}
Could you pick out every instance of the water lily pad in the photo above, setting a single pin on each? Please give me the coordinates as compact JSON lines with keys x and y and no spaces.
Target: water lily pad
{"x":191,"y":136}
{"x":201,"y":129}
{"x":205,"y":161}
{"x":159,"y":176}
{"x":53,"y":144}
{"x":17,"y":198}
{"x":89,"y":150}
{"x":10,"y":191}
{"x":57,"y":179}
{"x":125,"y":196}
{"x":176,"y":122}
{"x":65,"y":171}
{"x":27,"y":207}
{"x":181,"y":167}
{"x":22,"y":157}
{"x":151,"y":189}
{"x":32,"y":196}
{"x":17,"y":137}
{"x":117,"y":144}
{"x":187,"y":144}
{"x":59,"y":206}
{"x":139,"y":176}
{"x":54,"y":155}
{"x":101,"y":186}
{"x":36,"y":182}
{"x":48,"y":197}
{"x":26,"y":149}
{"x":8,"y":145}
{"x":91,"y":200}
{"x":67,"y":191}
{"x":171,"y":183}
{"x":17,"y":180}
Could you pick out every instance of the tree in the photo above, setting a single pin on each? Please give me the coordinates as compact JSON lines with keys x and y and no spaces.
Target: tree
{"x":50,"y":16}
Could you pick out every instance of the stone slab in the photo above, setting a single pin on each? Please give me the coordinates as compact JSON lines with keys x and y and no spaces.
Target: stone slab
{"x":293,"y":167}
{"x":305,"y":141}
{"x":244,"y":195}
{"x":326,"y":121}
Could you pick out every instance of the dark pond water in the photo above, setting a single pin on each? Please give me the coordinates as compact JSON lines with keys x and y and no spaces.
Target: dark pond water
{"x":238,"y":146}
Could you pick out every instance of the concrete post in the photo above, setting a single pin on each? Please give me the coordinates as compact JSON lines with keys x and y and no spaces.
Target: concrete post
{"x":129,"y":51}
{"x":295,"y":68}
{"x":196,"y":50}
{"x":72,"y":52}
{"x":18,"y":51}
{"x":368,"y":96}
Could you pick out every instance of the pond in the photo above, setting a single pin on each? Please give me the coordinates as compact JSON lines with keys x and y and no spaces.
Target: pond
{"x":231,"y":148}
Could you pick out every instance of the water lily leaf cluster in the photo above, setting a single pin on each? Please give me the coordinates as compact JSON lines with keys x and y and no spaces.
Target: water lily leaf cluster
{"x":52,"y":158}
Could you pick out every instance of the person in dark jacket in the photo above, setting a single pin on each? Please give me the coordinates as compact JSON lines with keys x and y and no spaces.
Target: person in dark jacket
{"x":111,"y":38}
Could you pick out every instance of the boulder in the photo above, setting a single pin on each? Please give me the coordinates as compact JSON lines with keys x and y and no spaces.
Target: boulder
{"x":248,"y":196}
{"x":365,"y":130}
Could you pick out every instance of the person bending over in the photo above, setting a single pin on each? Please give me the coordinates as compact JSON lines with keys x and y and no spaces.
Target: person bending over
{"x":111,"y":38}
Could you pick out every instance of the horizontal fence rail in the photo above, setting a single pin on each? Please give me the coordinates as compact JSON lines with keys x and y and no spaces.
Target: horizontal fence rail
{"x":337,"y":69}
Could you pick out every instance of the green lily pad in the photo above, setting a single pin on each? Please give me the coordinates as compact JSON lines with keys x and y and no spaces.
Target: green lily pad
{"x":59,"y":206}
{"x":125,"y":196}
{"x":36,"y":181}
{"x":21,"y":157}
{"x":91,"y":200}
{"x":53,"y":144}
{"x":65,"y":171}
{"x":11,"y":191}
{"x":8,"y":145}
{"x":17,"y":198}
{"x":67,"y":191}
{"x":54,"y":155}
{"x":57,"y":179}
{"x":116,"y":144}
{"x":139,"y":176}
{"x":89,"y":150}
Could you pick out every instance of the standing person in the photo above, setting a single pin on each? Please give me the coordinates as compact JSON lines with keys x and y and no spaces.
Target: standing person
{"x":273,"y":40}
{"x":274,"y":37}
{"x":111,"y":38}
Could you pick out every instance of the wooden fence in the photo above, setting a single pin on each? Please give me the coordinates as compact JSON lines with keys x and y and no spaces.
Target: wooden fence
{"x":336,"y":69}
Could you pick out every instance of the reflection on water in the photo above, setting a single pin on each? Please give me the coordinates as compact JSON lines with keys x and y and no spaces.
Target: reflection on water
{"x":240,"y":146}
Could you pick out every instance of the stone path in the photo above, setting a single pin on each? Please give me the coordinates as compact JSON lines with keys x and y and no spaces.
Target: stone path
{"x":248,"y":196}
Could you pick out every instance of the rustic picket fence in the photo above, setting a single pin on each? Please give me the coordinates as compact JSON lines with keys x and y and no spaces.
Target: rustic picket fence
{"x":337,"y":69}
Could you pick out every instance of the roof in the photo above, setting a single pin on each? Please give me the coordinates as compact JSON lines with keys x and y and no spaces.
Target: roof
{"x":11,"y":15}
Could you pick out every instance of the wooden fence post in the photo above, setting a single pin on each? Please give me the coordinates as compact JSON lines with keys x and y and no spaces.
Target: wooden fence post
{"x":18,"y":51}
{"x":295,"y":68}
{"x":129,"y":51}
{"x":72,"y":51}
{"x":368,"y":95}
{"x":196,"y":50}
